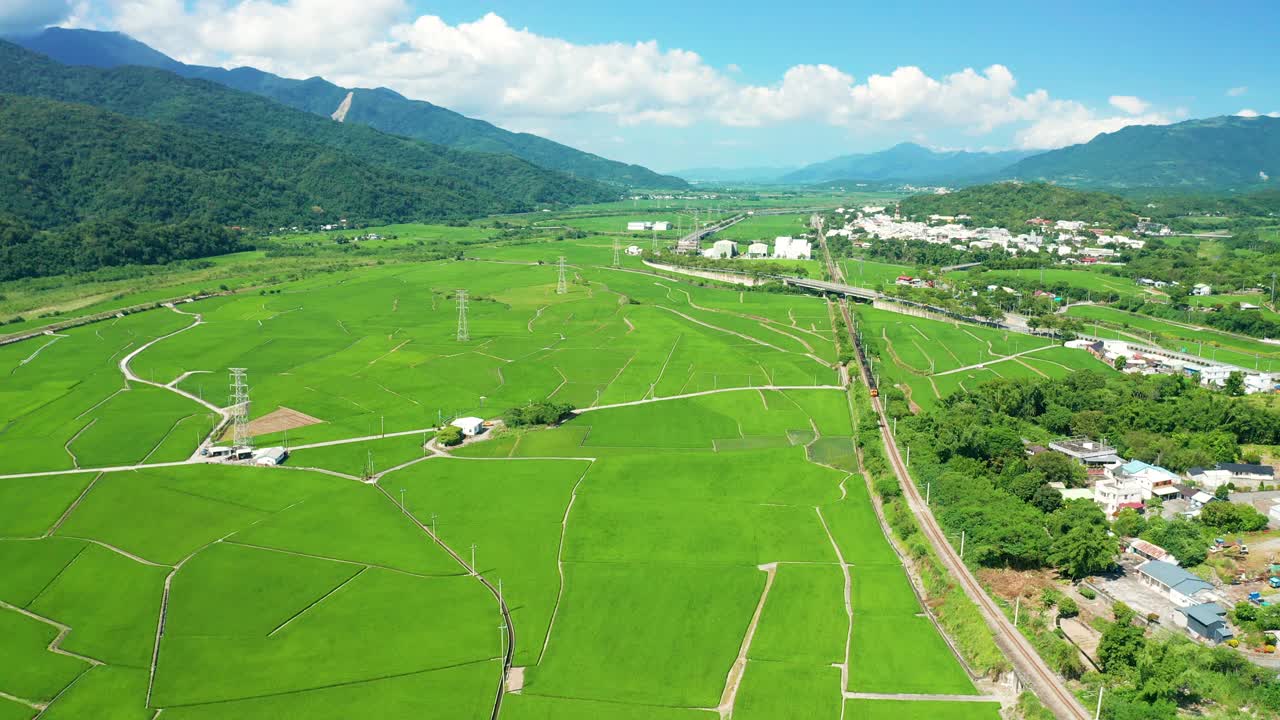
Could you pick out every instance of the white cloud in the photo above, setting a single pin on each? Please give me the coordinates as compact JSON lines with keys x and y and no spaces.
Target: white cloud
{"x":1237,"y":91}
{"x":1066,"y":122}
{"x":1129,"y":103}
{"x":24,"y":16}
{"x":1247,"y":113}
{"x":491,"y":69}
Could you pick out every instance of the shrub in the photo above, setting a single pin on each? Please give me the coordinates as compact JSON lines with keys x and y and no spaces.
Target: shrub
{"x":888,"y":488}
{"x":1153,"y":617}
{"x":1068,"y":608}
{"x":1234,"y":643}
{"x":1087,"y":592}
{"x":449,"y":436}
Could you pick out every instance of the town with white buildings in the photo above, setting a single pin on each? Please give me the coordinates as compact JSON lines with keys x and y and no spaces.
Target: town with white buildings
{"x":1071,"y":239}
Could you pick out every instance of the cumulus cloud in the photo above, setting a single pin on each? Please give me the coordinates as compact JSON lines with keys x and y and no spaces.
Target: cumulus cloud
{"x":1237,"y":91}
{"x":1129,"y":103}
{"x":24,"y":16}
{"x":1066,"y":122}
{"x":1247,"y":113}
{"x":489,"y":68}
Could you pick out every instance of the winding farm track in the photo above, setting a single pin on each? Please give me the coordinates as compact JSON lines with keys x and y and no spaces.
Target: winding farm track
{"x":700,"y":393}
{"x":1029,"y":665}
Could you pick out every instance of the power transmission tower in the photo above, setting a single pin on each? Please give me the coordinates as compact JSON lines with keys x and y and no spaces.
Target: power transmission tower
{"x":464,"y":332}
{"x":616,"y":261}
{"x":561,"y":288}
{"x":240,"y":437}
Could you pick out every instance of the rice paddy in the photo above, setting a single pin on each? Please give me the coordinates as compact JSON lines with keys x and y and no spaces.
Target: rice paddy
{"x":693,"y":539}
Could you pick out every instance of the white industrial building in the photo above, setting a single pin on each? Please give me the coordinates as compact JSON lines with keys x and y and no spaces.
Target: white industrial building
{"x":758,"y":250}
{"x":789,"y":248}
{"x":658,"y":225}
{"x":470,"y":426}
{"x":721,"y":249}
{"x":270,"y":456}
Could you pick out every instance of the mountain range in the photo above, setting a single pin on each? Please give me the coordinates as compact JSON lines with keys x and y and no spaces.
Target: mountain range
{"x":379,"y":108}
{"x":230,"y":157}
{"x":908,"y":163}
{"x":1217,"y":153}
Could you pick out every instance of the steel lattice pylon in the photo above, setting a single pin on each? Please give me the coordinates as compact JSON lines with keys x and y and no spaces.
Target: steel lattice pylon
{"x":561,"y":287}
{"x":240,"y":437}
{"x":464,"y":332}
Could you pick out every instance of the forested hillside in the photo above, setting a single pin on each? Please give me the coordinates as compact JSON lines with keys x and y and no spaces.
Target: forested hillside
{"x":378,"y":108}
{"x":457,"y":183}
{"x":1011,"y":204}
{"x":1216,"y":153}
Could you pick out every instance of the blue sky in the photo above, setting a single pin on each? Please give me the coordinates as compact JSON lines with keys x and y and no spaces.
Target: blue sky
{"x":680,"y":84}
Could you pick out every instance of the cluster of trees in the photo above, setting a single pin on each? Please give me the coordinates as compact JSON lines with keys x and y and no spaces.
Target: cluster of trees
{"x":1011,"y":204}
{"x":1247,"y":261}
{"x":543,"y":412}
{"x":95,"y":244}
{"x":970,"y":449}
{"x":1224,"y":316}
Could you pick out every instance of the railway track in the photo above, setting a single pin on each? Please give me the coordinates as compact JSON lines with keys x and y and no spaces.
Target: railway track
{"x":1029,"y":665}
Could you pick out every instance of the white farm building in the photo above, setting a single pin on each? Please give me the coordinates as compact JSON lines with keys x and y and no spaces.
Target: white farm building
{"x":470,"y":426}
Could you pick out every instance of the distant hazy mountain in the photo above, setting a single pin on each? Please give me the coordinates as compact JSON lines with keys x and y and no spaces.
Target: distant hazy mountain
{"x":909,"y":163}
{"x":379,"y":108}
{"x":1211,"y":154}
{"x":735,"y":175}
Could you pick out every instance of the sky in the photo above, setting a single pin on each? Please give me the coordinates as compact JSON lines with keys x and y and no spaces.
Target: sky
{"x":676,"y":84}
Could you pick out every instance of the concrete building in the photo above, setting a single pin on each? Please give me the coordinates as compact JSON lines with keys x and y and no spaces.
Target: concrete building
{"x":1115,"y":494}
{"x":635,"y":226}
{"x":757,"y":250}
{"x":1244,"y":475}
{"x":1201,"y":289}
{"x":1208,"y":621}
{"x":726,"y":248}
{"x":789,"y":248}
{"x":1153,"y":480}
{"x":270,"y":456}
{"x":470,"y":426}
{"x":1094,"y":455}
{"x":1177,"y":584}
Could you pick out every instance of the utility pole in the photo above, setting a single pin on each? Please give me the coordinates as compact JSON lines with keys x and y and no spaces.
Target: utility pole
{"x":473,"y":558}
{"x":433,"y":525}
{"x":561,"y":286}
{"x":1017,"y":610}
{"x":464,"y":332}
{"x":402,"y":499}
{"x":1097,"y":714}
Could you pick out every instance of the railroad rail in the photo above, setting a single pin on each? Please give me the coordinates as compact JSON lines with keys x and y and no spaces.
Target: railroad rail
{"x":1027,"y":663}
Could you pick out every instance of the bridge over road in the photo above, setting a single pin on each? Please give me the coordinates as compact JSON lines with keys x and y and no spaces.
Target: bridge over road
{"x":832,"y":287}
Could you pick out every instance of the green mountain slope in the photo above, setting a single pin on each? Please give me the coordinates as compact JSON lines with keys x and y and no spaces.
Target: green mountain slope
{"x":447,"y":183}
{"x":1211,"y":154}
{"x":379,"y":108}
{"x":1011,"y":204}
{"x":910,"y":163}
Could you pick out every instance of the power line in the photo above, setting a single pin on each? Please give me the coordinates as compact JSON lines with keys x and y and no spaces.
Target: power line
{"x":464,"y":332}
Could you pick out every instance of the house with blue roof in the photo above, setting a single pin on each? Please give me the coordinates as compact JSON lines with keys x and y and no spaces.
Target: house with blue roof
{"x":1177,"y":584}
{"x":1209,"y":621}
{"x":1150,"y":480}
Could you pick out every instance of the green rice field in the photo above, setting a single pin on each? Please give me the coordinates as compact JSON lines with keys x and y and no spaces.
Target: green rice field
{"x":694,"y":537}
